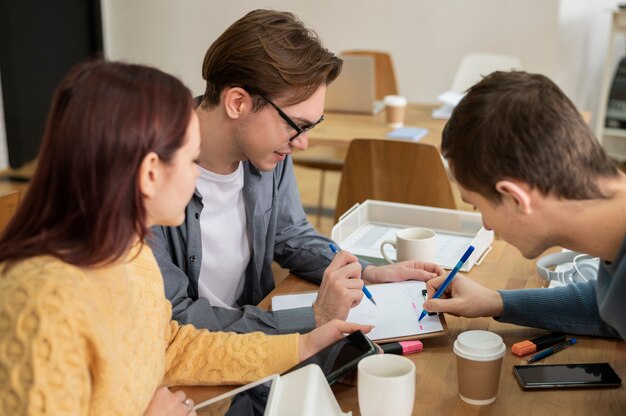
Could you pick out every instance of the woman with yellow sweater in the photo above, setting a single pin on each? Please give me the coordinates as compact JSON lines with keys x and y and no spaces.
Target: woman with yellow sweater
{"x":84,"y":324}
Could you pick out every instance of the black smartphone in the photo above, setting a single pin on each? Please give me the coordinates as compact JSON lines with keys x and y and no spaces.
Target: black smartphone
{"x":548,"y":376}
{"x":342,"y":357}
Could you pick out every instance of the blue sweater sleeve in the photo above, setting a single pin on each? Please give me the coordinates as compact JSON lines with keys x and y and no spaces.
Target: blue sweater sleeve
{"x":571,"y":309}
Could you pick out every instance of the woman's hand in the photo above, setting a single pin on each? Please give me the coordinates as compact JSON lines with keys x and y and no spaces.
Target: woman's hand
{"x":323,"y":336}
{"x":166,"y":403}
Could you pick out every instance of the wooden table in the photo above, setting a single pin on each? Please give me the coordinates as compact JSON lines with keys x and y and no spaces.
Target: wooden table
{"x":436,"y":384}
{"x":338,"y":129}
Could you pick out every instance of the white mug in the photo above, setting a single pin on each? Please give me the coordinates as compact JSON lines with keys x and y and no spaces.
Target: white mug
{"x":386,"y":385}
{"x":419,"y":244}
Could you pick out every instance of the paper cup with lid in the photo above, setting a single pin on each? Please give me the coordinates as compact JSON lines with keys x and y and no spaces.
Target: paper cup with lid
{"x":479,"y":360}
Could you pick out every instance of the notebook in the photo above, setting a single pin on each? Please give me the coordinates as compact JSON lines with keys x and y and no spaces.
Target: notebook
{"x":395,"y":317}
{"x":408,"y":133}
{"x":354,"y":90}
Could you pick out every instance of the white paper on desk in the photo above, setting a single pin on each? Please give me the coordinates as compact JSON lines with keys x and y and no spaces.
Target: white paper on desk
{"x":444,"y":112}
{"x":450,"y":97}
{"x":366,"y":242}
{"x":399,"y":307}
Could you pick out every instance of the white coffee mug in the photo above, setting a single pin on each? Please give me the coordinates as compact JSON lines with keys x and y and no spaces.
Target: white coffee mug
{"x":419,"y":244}
{"x":386,"y":385}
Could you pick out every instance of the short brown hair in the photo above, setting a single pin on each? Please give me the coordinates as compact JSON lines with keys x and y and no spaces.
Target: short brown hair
{"x":84,"y":204}
{"x":271,"y":53}
{"x":516,"y":125}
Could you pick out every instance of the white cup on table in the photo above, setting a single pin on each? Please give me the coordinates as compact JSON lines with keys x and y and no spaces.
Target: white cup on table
{"x":386,"y":385}
{"x":419,"y":244}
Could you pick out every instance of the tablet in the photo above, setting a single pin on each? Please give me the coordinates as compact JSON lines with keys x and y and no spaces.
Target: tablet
{"x":340,"y":358}
{"x":253,"y":399}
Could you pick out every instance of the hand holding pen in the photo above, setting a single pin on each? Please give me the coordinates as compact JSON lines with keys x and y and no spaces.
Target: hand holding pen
{"x":449,"y":278}
{"x":340,"y":290}
{"x":368,"y":294}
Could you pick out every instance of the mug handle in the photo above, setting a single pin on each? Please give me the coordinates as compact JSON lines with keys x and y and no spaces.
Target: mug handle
{"x":382,"y":250}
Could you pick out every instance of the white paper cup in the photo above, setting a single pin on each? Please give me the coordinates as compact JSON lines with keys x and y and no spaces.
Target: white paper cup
{"x":386,"y":385}
{"x":479,"y":360}
{"x":395,"y":108}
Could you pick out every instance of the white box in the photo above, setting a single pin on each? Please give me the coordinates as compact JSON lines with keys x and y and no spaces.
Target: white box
{"x":458,"y":228}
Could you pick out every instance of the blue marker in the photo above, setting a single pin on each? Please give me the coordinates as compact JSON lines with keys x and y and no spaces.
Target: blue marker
{"x":368,"y":294}
{"x":551,"y":350}
{"x":448,"y":280}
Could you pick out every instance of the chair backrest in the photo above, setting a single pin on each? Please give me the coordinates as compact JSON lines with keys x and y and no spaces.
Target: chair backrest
{"x":8,"y":206}
{"x":384,"y":72}
{"x":395,"y":171}
{"x":474,"y":66}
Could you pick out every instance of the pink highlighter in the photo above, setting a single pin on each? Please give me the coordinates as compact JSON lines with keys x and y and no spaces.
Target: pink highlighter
{"x":403,"y":347}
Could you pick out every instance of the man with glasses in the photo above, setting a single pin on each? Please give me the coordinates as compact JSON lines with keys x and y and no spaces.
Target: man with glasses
{"x":298,"y":130}
{"x":266,"y":79}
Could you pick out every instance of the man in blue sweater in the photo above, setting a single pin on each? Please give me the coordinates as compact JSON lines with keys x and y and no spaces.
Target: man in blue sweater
{"x":523,"y":156}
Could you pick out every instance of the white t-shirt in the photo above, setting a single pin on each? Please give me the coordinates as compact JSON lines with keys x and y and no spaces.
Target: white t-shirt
{"x":225,"y":247}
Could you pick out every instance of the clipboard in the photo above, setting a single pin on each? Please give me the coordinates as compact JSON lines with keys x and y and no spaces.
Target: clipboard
{"x":395,"y":317}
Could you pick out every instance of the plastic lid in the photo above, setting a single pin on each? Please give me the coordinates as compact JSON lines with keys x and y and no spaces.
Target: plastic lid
{"x":479,"y":346}
{"x":394,"y":100}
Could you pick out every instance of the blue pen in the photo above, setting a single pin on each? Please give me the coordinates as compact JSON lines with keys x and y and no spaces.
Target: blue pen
{"x":448,"y":280}
{"x":549,"y":351}
{"x":368,"y":294}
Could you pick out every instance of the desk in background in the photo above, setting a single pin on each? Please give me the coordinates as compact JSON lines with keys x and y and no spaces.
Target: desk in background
{"x":338,"y":129}
{"x":436,"y":384}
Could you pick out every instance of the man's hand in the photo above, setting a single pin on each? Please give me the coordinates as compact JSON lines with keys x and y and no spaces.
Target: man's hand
{"x":463,"y":297}
{"x":401,"y":271}
{"x":341,"y":289}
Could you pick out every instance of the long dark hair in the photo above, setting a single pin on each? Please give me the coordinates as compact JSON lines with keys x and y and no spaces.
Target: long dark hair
{"x":84,"y":204}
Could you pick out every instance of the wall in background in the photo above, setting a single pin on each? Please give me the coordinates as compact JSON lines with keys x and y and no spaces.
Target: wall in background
{"x":426,"y":39}
{"x":584,"y":34}
{"x":565,"y":40}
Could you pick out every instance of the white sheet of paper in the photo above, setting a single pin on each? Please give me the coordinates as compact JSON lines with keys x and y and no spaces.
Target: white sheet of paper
{"x":450,"y":97}
{"x":399,"y":307}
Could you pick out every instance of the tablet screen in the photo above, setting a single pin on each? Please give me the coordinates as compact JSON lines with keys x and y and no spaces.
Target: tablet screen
{"x":250,"y":400}
{"x":341,"y":357}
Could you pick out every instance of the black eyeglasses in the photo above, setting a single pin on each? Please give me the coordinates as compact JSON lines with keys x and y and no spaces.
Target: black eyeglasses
{"x":299,"y":130}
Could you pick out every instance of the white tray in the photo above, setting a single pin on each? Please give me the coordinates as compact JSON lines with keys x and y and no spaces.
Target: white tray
{"x":363,"y":227}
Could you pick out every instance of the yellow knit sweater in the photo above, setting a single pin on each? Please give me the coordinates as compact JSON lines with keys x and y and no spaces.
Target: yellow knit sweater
{"x":99,"y":341}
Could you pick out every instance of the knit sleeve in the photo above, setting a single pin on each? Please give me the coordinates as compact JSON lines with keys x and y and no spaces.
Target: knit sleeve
{"x":43,"y":358}
{"x":571,"y":309}
{"x":200,"y":357}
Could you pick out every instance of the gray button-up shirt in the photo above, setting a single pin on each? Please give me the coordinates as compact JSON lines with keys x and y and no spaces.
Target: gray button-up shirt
{"x":277,"y":229}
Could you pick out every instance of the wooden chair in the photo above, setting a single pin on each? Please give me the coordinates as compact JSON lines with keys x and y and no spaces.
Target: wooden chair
{"x":383,"y":69}
{"x":8,"y":206}
{"x":324,"y":163}
{"x":395,"y":171}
